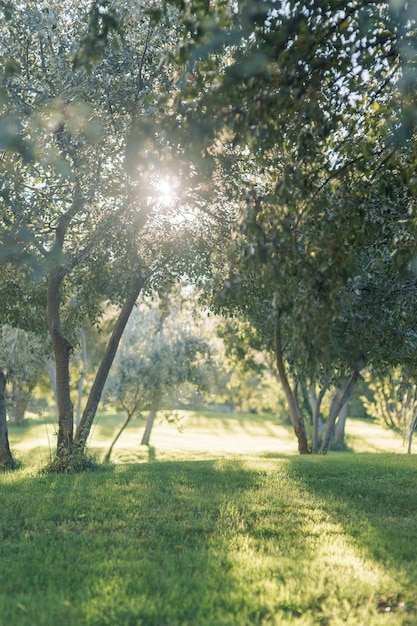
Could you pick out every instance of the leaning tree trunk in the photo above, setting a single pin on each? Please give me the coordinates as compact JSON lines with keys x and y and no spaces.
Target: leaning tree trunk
{"x":129,"y":415}
{"x":296,"y":417}
{"x":90,"y":410}
{"x":148,"y":428}
{"x":62,"y":350}
{"x":6,"y":458}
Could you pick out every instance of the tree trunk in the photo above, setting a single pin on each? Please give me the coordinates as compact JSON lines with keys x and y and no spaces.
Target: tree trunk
{"x":6,"y":458}
{"x":90,"y":410}
{"x":339,"y":429}
{"x":62,"y":350}
{"x":17,"y":412}
{"x":148,"y":428}
{"x":411,"y":432}
{"x":129,"y":415}
{"x":82,"y":374}
{"x":344,"y":397}
{"x":316,"y":416}
{"x":296,"y":417}
{"x":51,"y":372}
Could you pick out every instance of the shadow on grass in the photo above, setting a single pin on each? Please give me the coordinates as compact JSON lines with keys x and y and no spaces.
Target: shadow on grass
{"x":148,"y":544}
{"x":373,"y":497}
{"x":206,"y":543}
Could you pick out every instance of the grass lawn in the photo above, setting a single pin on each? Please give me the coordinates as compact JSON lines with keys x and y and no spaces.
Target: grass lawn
{"x":196,"y":436}
{"x":246,"y":537}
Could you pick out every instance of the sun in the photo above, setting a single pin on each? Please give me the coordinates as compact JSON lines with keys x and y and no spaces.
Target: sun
{"x":168,"y":201}
{"x":165,"y":192}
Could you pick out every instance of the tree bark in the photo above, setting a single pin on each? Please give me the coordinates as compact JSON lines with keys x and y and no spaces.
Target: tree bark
{"x":62,"y":350}
{"x":82,"y":374}
{"x":60,"y":344}
{"x":6,"y":458}
{"x":148,"y":428}
{"x":316,"y":416}
{"x":338,"y":406}
{"x":90,"y":410}
{"x":411,"y":432}
{"x":51,"y":372}
{"x":294,"y":409}
{"x":339,"y":428}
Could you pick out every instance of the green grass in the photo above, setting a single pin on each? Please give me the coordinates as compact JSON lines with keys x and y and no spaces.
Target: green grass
{"x":232,"y":529}
{"x":220,"y":542}
{"x":197,"y":436}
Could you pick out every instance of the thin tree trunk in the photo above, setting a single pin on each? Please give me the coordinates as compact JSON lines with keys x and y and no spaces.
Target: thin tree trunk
{"x":339,"y":428}
{"x":6,"y":458}
{"x":338,"y":406}
{"x":148,"y":428}
{"x":316,"y":416}
{"x":294,"y":410}
{"x":90,"y":410}
{"x":82,"y":374}
{"x":410,"y":434}
{"x":62,"y":350}
{"x":129,"y":415}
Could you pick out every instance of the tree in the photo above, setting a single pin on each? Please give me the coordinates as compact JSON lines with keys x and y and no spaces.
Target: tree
{"x":394,"y":401}
{"x":160,"y":352}
{"x":311,"y":115}
{"x":291,"y":114}
{"x":22,"y":357}
{"x":86,"y":208}
{"x":22,"y":312}
{"x":250,"y":373}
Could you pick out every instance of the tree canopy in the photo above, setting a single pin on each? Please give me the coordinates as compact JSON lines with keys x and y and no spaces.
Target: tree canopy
{"x":265,"y":150}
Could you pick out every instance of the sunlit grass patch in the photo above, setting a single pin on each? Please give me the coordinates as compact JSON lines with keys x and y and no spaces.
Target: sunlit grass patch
{"x":368,"y":436}
{"x":290,"y":541}
{"x":196,"y":435}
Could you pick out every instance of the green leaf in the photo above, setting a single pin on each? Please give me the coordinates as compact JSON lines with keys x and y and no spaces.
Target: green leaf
{"x":11,"y":68}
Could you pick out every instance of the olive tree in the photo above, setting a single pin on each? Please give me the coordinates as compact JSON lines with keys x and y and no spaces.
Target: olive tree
{"x":160,"y":352}
{"x":22,"y":356}
{"x":88,"y":207}
{"x":314,"y":141}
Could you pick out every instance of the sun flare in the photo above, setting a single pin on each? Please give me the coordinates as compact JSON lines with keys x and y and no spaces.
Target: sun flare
{"x":165,"y":191}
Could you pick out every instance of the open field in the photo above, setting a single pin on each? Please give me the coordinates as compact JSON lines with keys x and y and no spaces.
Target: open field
{"x":196,"y":435}
{"x":221,"y":542}
{"x":234,"y":529}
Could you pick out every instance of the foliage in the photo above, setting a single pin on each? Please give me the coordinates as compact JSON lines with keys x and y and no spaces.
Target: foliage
{"x":287,"y":131}
{"x":85,"y":209}
{"x":159,"y":353}
{"x":249,"y":382}
{"x":22,"y":358}
{"x":103,"y":21}
{"x":310,"y":142}
{"x":393,"y":401}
